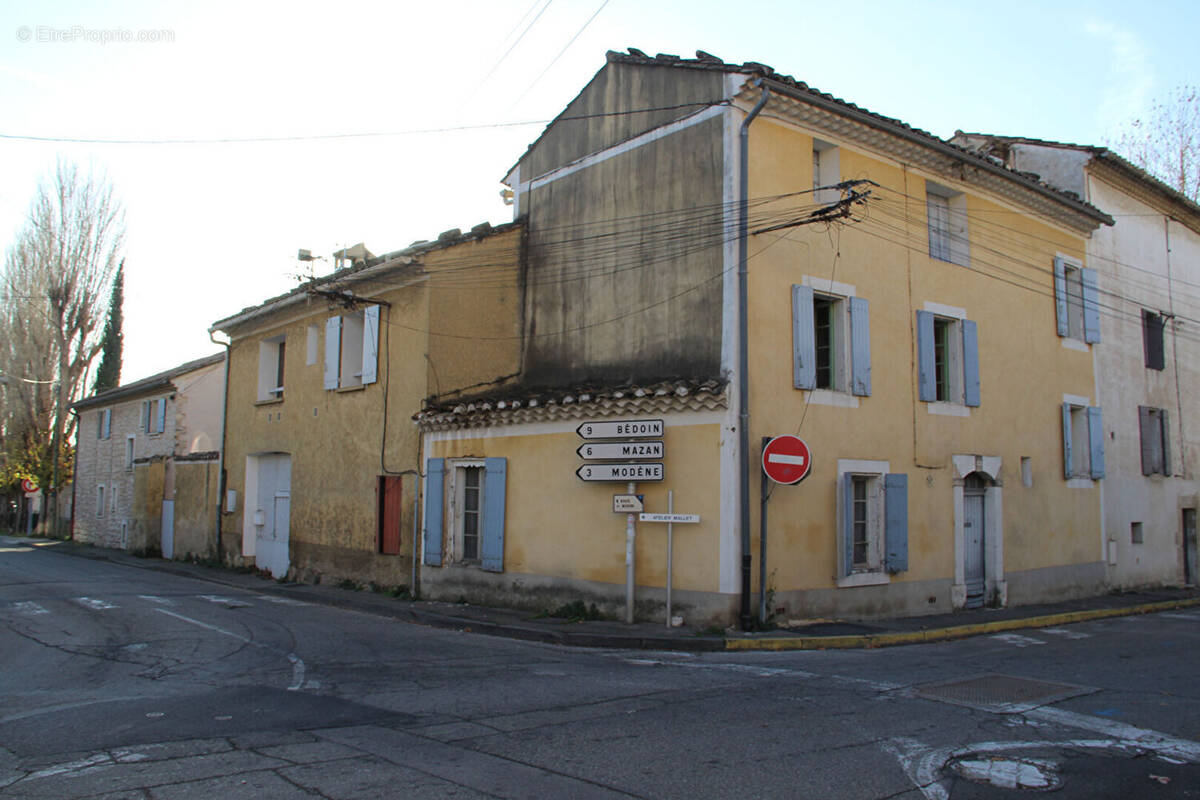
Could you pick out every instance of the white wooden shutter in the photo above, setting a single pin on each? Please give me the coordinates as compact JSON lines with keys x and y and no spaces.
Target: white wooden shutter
{"x":370,"y":348}
{"x":333,"y":350}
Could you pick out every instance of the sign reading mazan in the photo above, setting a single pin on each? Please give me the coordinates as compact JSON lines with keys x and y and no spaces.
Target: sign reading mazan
{"x":619,"y":429}
{"x":602,"y":450}
{"x":621,"y":472}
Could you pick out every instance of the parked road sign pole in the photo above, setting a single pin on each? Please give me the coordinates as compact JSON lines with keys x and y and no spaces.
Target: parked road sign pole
{"x":670,"y":550}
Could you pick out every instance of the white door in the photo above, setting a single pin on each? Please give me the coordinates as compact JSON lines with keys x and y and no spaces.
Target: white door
{"x":168,"y":529}
{"x":272,"y":515}
{"x":973,"y":543}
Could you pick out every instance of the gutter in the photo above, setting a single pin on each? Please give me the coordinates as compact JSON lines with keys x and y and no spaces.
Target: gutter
{"x":221,"y":453}
{"x":743,"y":349}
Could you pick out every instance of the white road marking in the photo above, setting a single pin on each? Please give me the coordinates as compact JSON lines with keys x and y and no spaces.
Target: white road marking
{"x":162,"y":601}
{"x":71,"y":766}
{"x":93,"y":603}
{"x":767,"y":672}
{"x":283,"y":601}
{"x":1066,"y":633}
{"x":1193,"y":617}
{"x":224,"y":601}
{"x":29,"y":607}
{"x":1127,"y":734}
{"x":298,"y":668}
{"x":1016,"y":639}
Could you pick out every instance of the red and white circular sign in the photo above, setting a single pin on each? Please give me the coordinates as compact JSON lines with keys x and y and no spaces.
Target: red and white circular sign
{"x":786,"y":459}
{"x":28,"y":485}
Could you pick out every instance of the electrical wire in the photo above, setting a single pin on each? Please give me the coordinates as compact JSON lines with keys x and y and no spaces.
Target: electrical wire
{"x":566,"y":47}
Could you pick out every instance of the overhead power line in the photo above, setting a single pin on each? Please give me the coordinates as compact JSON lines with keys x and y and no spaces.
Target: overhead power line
{"x":316,"y":137}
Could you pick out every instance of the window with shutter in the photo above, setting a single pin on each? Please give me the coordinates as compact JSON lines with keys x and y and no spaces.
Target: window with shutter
{"x":1083,"y":441}
{"x":1076,"y":301}
{"x":947,"y":360}
{"x":352,"y":349}
{"x":831,"y":342}
{"x":873,"y":535}
{"x":1153,"y":432}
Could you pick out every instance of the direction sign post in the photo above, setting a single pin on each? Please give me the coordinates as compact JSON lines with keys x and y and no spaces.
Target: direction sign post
{"x":621,"y":472}
{"x":620,"y":429}
{"x":601,"y":450}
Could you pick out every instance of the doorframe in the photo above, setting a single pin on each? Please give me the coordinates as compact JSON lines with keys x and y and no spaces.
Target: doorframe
{"x":995,"y":587}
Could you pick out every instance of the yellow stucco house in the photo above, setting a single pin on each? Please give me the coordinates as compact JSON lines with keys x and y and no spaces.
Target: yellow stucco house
{"x":703,"y":255}
{"x":924,"y":318}
{"x":320,"y":452}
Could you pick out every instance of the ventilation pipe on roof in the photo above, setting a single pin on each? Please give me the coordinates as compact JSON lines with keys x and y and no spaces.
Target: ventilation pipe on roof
{"x":743,"y":351}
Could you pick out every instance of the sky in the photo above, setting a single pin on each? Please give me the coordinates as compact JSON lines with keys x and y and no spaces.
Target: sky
{"x":443,"y":98}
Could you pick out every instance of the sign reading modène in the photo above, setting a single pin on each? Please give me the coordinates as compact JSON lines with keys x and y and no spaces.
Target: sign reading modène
{"x":620,"y":472}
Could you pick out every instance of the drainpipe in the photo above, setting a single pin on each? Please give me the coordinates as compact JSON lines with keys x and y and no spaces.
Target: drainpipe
{"x":743,"y":351}
{"x":221,"y":452}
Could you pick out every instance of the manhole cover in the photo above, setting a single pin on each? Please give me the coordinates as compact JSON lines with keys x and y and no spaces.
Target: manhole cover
{"x":1002,"y":693}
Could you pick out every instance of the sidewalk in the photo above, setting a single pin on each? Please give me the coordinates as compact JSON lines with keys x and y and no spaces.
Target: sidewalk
{"x":835,"y":634}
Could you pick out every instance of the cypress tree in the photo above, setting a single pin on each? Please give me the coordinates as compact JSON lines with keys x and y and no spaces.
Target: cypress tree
{"x":108,"y":376}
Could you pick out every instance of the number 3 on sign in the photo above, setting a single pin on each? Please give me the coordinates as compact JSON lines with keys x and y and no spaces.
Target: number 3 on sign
{"x":587,"y":472}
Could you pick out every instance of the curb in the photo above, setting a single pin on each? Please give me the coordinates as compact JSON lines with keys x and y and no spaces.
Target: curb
{"x":872,"y":640}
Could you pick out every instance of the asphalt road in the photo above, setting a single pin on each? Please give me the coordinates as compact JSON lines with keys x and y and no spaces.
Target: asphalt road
{"x":120,"y":682}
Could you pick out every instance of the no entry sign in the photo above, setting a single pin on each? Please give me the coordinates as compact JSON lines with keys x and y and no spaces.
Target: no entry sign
{"x":786,"y":459}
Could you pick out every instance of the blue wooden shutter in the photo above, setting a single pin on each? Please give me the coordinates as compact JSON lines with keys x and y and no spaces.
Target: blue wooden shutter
{"x":970,"y":334}
{"x":895,"y":516}
{"x":1091,"y":306}
{"x":495,"y":478}
{"x":1096,"y":441}
{"x":160,"y":417}
{"x":1066,"y":419}
{"x":847,"y":523}
{"x":435,"y":488}
{"x":860,"y":347}
{"x":804,"y":339}
{"x":333,"y":350}
{"x":926,"y":385}
{"x":1060,"y":297}
{"x":370,"y":347}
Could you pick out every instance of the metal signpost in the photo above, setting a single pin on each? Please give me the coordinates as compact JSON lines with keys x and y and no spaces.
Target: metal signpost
{"x":629,"y":471}
{"x":785,"y":459}
{"x":671,"y":518}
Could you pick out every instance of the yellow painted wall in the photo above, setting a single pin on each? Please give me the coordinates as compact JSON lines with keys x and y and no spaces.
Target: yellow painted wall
{"x":561,"y":527}
{"x":336,"y":437}
{"x":1024,"y":369}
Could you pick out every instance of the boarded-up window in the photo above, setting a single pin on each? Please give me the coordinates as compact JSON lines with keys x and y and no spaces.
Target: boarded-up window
{"x":391,"y":495}
{"x":1152,"y":424}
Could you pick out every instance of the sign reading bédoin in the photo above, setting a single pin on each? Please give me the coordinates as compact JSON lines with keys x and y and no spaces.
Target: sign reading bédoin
{"x":624,"y":470}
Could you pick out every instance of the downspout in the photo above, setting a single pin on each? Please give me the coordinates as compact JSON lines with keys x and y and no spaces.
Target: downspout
{"x":743,"y":350}
{"x":221,"y":452}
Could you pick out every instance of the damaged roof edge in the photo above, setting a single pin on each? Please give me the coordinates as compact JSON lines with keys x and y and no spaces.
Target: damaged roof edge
{"x":798,"y":90}
{"x":370,"y":267}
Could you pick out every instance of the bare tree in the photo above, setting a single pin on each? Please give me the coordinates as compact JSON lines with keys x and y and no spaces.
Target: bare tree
{"x":1166,"y":141}
{"x":56,"y":281}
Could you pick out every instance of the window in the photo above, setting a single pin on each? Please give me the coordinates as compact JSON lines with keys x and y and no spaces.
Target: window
{"x":1076,"y":301}
{"x":154,"y":415}
{"x":477,"y":490}
{"x":351,"y":348}
{"x":1083,"y":441}
{"x":1027,"y":472}
{"x":874,"y":514}
{"x":272,"y":353}
{"x":129,"y":452}
{"x":391,"y":497}
{"x":1152,"y":339}
{"x":1156,"y":455}
{"x":104,"y":424}
{"x":947,"y":213}
{"x":310,"y":355}
{"x":826,"y":172}
{"x":100,"y":500}
{"x":1136,"y":535}
{"x":831,"y":342}
{"x":112,"y":500}
{"x":947,"y":359}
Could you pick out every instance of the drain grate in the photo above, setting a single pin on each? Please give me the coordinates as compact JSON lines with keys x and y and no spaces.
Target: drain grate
{"x":1002,"y":693}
